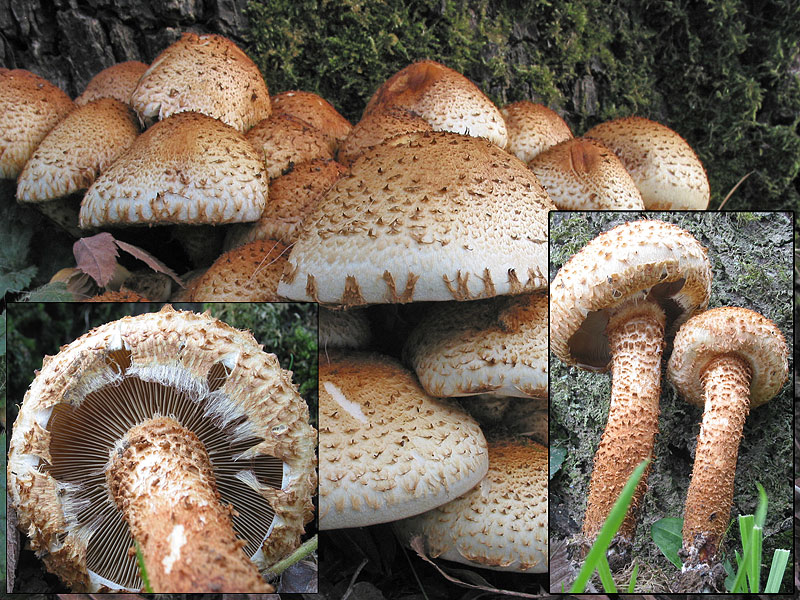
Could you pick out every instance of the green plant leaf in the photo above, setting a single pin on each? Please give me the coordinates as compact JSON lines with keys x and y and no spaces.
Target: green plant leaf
{"x":557,"y":456}
{"x":761,"y":509}
{"x":632,"y":583}
{"x":779,"y":560}
{"x":667,"y":535}
{"x":14,"y":281}
{"x":605,"y":576}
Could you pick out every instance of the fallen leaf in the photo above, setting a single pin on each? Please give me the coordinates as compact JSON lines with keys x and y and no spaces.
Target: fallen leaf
{"x":150,"y":260}
{"x":97,"y":257}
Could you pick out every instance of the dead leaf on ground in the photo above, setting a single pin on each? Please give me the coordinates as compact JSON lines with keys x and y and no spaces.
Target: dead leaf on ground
{"x":97,"y":257}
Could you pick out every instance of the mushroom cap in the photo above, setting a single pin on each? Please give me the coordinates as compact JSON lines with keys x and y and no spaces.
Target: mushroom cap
{"x":188,"y":168}
{"x":291,"y":199}
{"x":429,"y":216}
{"x":636,"y":261}
{"x":123,"y":295}
{"x":83,"y":145}
{"x":283,"y":141}
{"x":499,"y":524}
{"x":314,"y":110}
{"x":532,"y":128}
{"x":117,"y":81}
{"x":724,"y":331}
{"x":666,"y":170}
{"x":249,"y":273}
{"x":496,"y":346}
{"x":30,"y":107}
{"x":343,"y":329}
{"x":387,"y":449}
{"x":582,"y":174}
{"x":378,"y":126}
{"x":216,"y":381}
{"x":204,"y":73}
{"x":444,"y":98}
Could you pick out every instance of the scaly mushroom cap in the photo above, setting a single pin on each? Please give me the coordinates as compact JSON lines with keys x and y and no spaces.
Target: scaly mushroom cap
{"x":29,"y":108}
{"x":122,"y":295}
{"x":203,"y":73}
{"x":188,"y":168}
{"x":314,"y":110}
{"x":117,"y":81}
{"x":532,"y":128}
{"x":499,"y":524}
{"x":343,"y":329}
{"x":642,"y":259}
{"x":213,"y":379}
{"x":283,"y":141}
{"x":83,"y":145}
{"x":729,"y":330}
{"x":292,"y":197}
{"x":666,"y":170}
{"x":387,"y":449}
{"x":378,"y":126}
{"x":249,"y":273}
{"x":431,"y":216}
{"x":444,"y":98}
{"x":496,"y":346}
{"x":582,"y":174}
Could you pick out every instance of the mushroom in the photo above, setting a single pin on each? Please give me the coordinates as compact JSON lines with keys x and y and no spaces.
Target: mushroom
{"x":387,"y":449}
{"x":205,"y":73}
{"x":427,"y":216}
{"x":378,"y":126}
{"x":444,"y":98}
{"x":610,"y":306}
{"x":532,"y":128}
{"x":117,"y":81}
{"x":29,"y":108}
{"x":582,"y":174}
{"x":343,"y":329}
{"x":171,"y":429}
{"x":314,"y":110}
{"x":496,"y":346}
{"x":666,"y":170}
{"x":499,"y":524}
{"x":727,"y":360}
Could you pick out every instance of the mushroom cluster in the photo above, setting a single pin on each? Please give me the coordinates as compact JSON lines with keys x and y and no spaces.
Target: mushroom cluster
{"x":726,"y":359}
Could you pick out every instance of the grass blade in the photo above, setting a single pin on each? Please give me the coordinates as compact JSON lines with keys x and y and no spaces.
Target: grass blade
{"x":776,"y":571}
{"x":761,"y":510}
{"x":605,"y":576}
{"x":754,"y":568}
{"x":632,"y":584}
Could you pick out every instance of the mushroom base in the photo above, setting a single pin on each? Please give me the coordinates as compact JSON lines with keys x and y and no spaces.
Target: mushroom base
{"x":161,"y":479}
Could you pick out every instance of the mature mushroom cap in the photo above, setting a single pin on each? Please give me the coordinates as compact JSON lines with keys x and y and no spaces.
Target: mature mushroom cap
{"x":444,"y":98}
{"x":292,"y":197}
{"x":532,"y":128}
{"x":378,"y":126}
{"x":117,"y":81}
{"x":647,"y":259}
{"x":387,"y":449}
{"x":123,"y":295}
{"x":29,"y":108}
{"x":283,"y":141}
{"x":343,"y":329}
{"x":667,"y":171}
{"x":249,"y":273}
{"x":188,"y":168}
{"x":496,"y":346}
{"x":83,"y":145}
{"x":582,"y":174}
{"x":216,"y":381}
{"x":499,"y":524}
{"x":729,"y":330}
{"x":204,"y":73}
{"x":432,"y":216}
{"x":314,"y":110}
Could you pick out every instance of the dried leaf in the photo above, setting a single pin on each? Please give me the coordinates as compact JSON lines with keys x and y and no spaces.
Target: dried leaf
{"x":97,"y":257}
{"x":150,"y":260}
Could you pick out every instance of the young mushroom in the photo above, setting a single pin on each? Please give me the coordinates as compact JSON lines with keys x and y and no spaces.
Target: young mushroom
{"x":610,"y":306}
{"x":727,"y":360}
{"x":171,"y":429}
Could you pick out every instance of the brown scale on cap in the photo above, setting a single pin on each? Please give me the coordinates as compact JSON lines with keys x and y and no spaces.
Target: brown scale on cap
{"x":188,"y":168}
{"x":378,"y":126}
{"x":249,"y":273}
{"x":117,"y":81}
{"x":610,"y":305}
{"x":444,"y":98}
{"x":430,"y":216}
{"x":283,"y":141}
{"x":582,"y":174}
{"x":204,"y":73}
{"x":666,"y":170}
{"x":30,"y":107}
{"x":727,"y":360}
{"x":532,"y":128}
{"x":314,"y":110}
